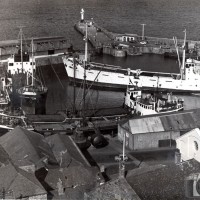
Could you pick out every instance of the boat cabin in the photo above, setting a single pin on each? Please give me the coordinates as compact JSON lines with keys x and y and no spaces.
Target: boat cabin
{"x":15,"y":64}
{"x":147,"y":104}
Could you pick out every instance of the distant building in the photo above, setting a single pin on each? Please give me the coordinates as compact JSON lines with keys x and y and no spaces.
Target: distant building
{"x":115,"y":189}
{"x":189,"y":145}
{"x":148,"y":132}
{"x":19,"y":184}
{"x":126,"y":37}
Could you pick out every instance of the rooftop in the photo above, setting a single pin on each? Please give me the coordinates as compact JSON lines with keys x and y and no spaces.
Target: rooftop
{"x":19,"y":183}
{"x":116,"y":189}
{"x":66,"y":151}
{"x":26,"y":148}
{"x":179,"y":121}
{"x":162,"y":181}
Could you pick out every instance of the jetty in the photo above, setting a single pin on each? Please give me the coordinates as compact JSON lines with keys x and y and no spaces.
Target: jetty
{"x":121,"y":45}
{"x":42,"y":46}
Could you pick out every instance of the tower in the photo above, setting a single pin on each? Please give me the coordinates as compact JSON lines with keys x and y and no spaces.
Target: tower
{"x":82,"y":15}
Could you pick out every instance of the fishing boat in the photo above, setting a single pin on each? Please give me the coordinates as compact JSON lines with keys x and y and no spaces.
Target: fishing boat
{"x":150,"y":104}
{"x":26,"y":92}
{"x":33,"y":96}
{"x":112,"y":77}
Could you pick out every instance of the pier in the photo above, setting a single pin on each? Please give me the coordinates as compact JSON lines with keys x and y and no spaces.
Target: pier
{"x":121,"y":45}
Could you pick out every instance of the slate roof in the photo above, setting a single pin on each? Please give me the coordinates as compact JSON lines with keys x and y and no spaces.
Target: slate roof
{"x":179,"y":121}
{"x":72,"y":177}
{"x":25,"y":147}
{"x":17,"y":182}
{"x":162,"y":181}
{"x":65,"y":146}
{"x":4,"y":157}
{"x":116,"y":189}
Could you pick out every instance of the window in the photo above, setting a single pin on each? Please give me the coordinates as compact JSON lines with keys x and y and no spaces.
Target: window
{"x":196,"y":146}
{"x":10,"y":64}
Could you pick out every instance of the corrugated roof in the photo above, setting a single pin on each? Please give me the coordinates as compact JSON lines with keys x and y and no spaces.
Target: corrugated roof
{"x":146,"y":125}
{"x":179,"y":121}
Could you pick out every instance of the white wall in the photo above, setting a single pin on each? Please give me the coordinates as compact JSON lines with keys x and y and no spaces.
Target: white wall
{"x":189,"y":145}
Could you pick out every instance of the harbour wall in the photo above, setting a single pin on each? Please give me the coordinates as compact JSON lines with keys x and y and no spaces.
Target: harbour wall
{"x":112,"y":43}
{"x":43,"y":45}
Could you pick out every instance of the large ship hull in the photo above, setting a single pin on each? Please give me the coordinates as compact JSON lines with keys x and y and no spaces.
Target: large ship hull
{"x":106,"y":77}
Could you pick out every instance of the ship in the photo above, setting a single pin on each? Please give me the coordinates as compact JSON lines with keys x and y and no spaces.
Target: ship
{"x":150,"y":104}
{"x":26,"y":92}
{"x":117,"y":78}
{"x":33,"y":96}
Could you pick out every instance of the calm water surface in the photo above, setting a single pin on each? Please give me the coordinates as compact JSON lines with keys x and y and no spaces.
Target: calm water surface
{"x":163,"y":18}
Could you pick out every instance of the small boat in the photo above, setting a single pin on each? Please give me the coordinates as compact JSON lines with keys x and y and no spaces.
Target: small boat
{"x":149,"y":104}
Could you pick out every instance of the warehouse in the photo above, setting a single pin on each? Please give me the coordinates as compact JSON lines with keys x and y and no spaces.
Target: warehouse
{"x":150,"y":132}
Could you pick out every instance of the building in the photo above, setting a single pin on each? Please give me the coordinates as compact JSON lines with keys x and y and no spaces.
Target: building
{"x":27,"y":149}
{"x":16,"y":183}
{"x":148,"y":132}
{"x":163,"y":181}
{"x":126,"y":37}
{"x":74,"y":175}
{"x":189,"y":145}
{"x":72,"y":181}
{"x":115,"y":189}
{"x":66,"y":151}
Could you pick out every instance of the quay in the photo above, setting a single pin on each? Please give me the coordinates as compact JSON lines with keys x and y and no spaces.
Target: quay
{"x":121,"y":45}
{"x":42,"y":46}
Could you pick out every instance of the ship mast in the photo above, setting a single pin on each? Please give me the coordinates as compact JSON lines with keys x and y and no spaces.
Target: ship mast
{"x":21,"y":44}
{"x":176,"y":46}
{"x":183,"y":61}
{"x":32,"y":61}
{"x":84,"y":76}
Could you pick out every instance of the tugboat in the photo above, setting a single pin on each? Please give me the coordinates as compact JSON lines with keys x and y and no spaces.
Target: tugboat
{"x":151,"y":104}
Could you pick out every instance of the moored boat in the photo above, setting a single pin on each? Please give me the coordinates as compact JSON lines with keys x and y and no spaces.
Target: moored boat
{"x":112,"y":77}
{"x":33,"y":96}
{"x":149,"y":104}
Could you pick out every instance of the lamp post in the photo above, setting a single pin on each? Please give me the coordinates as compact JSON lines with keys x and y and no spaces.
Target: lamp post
{"x":143,"y":31}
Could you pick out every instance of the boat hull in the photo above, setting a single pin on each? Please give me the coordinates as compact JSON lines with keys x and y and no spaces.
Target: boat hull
{"x":115,"y":78}
{"x":122,"y":88}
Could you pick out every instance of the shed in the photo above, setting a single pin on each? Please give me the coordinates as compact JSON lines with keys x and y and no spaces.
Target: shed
{"x":147,"y":132}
